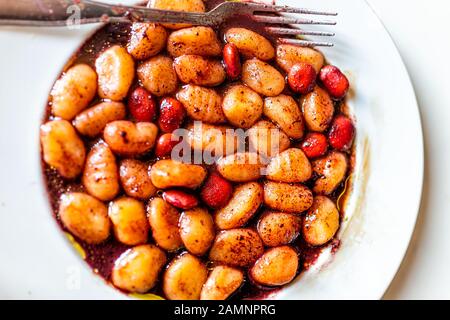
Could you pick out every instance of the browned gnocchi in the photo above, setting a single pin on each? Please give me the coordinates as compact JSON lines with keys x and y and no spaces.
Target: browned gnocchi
{"x":242,"y":106}
{"x":184,"y":278}
{"x":163,"y":219}
{"x":199,"y":70}
{"x":243,"y":204}
{"x":101,"y":175}
{"x":321,"y":221}
{"x":222,"y":282}
{"x":276,"y":267}
{"x":158,"y":76}
{"x":137,"y":269}
{"x":129,"y":221}
{"x":200,"y":41}
{"x":250,"y":43}
{"x":284,"y":111}
{"x":62,"y":148}
{"x":237,"y":247}
{"x":318,"y":109}
{"x":178,"y":5}
{"x":135,"y":179}
{"x":73,"y":91}
{"x":202,"y":104}
{"x":193,"y":166}
{"x":241,"y":167}
{"x":130,"y":139}
{"x":262,"y":77}
{"x":170,"y":173}
{"x":85,"y":217}
{"x":288,"y":55}
{"x":197,"y":230}
{"x":266,"y":139}
{"x":92,"y":121}
{"x":286,"y":197}
{"x":278,"y":228}
{"x":115,"y":70}
{"x":146,"y":40}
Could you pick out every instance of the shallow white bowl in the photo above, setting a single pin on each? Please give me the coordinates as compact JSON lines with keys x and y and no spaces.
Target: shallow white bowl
{"x":39,"y":263}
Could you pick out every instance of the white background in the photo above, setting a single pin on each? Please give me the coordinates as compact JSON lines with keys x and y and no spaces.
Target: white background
{"x":421,"y":30}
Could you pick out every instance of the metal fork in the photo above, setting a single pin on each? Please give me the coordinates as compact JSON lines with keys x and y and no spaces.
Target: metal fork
{"x":73,"y":12}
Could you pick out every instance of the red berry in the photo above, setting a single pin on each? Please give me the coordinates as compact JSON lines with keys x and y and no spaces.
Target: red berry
{"x":171,"y":114}
{"x":334,"y":81}
{"x":142,"y":105}
{"x":302,"y":78}
{"x":165,"y":144}
{"x":216,"y":191}
{"x":180,"y":199}
{"x":231,"y":60}
{"x":341,"y":133}
{"x":314,"y":145}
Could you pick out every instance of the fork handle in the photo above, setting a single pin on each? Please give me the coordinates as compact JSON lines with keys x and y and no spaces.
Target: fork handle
{"x":70,"y":12}
{"x":54,"y":12}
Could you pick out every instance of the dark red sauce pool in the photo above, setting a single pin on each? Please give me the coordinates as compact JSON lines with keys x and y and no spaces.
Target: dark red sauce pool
{"x":101,"y":257}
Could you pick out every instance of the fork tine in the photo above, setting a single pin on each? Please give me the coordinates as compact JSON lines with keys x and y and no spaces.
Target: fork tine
{"x":305,"y":43}
{"x":292,"y":31}
{"x":287,"y":9}
{"x":287,"y":20}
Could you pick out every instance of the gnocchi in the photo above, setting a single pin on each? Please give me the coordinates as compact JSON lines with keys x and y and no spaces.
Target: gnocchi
{"x":245,"y":201}
{"x":237,"y":247}
{"x":250,"y":43}
{"x":288,"y":55}
{"x":100,"y":175}
{"x":130,"y":139}
{"x":241,"y":167}
{"x":321,"y":221}
{"x":202,"y":104}
{"x":242,"y":106}
{"x":184,"y":278}
{"x":212,"y":139}
{"x":135,"y":179}
{"x":115,"y":70}
{"x":92,"y":121}
{"x":178,"y":5}
{"x":278,"y":228}
{"x":221,"y":283}
{"x":137,"y":269}
{"x":200,"y":41}
{"x":62,"y":148}
{"x":204,"y":162}
{"x":200,"y":71}
{"x":85,"y":217}
{"x":293,"y":198}
{"x":331,"y":170}
{"x":163,"y":220}
{"x":158,"y":76}
{"x":276,"y":267}
{"x":266,"y":139}
{"x":171,"y":173}
{"x":284,"y":111}
{"x":318,"y":109}
{"x":197,"y":230}
{"x":290,"y":166}
{"x":262,"y":77}
{"x":73,"y":91}
{"x":129,"y":221}
{"x":146,"y":40}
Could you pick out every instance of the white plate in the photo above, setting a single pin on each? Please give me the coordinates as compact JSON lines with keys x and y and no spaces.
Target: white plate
{"x":37,"y":261}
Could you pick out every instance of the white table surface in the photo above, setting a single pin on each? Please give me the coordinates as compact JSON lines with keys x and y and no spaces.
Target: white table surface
{"x":421,"y":30}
